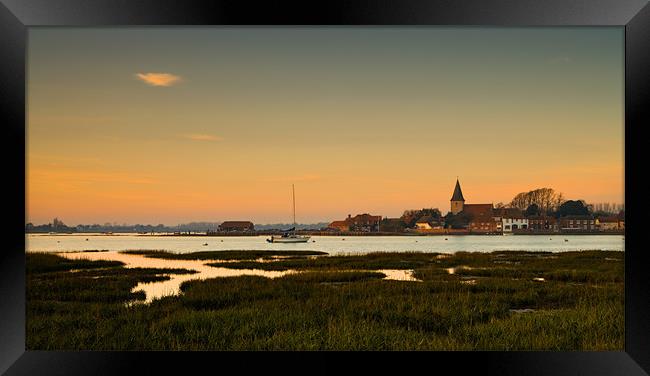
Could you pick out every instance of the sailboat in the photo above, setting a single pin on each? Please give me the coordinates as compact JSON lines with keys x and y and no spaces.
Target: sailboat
{"x":290,"y":236}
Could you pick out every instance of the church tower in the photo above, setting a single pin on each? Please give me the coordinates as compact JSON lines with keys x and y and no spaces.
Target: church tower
{"x":457,"y":200}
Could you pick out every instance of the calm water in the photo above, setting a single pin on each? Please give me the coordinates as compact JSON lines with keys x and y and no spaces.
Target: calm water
{"x":330,"y":244}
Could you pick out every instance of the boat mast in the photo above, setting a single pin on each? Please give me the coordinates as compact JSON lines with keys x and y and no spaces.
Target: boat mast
{"x":293,"y":190}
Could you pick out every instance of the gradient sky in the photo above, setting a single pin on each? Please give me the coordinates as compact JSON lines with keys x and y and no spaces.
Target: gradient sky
{"x":171,"y":125}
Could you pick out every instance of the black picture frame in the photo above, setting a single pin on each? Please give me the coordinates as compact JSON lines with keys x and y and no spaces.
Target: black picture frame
{"x":18,"y":15}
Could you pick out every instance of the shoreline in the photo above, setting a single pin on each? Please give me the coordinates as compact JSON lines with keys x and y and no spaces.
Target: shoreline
{"x":453,"y":233}
{"x":325,"y":233}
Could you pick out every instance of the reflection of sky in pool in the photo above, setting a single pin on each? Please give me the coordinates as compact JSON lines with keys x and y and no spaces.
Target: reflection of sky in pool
{"x":156,"y":290}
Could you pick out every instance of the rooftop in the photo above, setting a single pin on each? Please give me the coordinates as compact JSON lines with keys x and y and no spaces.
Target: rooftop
{"x":458,"y":194}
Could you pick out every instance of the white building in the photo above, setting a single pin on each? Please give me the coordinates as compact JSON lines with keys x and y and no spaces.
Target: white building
{"x":511,"y":219}
{"x":509,"y":224}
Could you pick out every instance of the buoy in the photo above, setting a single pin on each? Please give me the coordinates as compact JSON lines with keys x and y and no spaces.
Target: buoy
{"x":343,"y":239}
{"x":445,"y":238}
{"x":205,"y":244}
{"x":566,"y":240}
{"x":222,"y":240}
{"x":86,"y":239}
{"x":313,"y":241}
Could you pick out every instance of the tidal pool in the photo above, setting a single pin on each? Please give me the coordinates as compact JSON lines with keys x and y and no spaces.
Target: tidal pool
{"x":170,"y":287}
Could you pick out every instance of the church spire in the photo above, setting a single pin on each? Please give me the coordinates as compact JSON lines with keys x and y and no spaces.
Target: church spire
{"x":458,"y":194}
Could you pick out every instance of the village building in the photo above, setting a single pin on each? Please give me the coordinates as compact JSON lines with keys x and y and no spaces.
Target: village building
{"x":364,"y":222}
{"x":511,"y":219}
{"x":578,"y":223}
{"x":542,"y":223}
{"x":457,"y":200}
{"x":359,"y":223}
{"x":621,"y":220}
{"x":428,"y":223}
{"x":481,"y":215}
{"x":340,"y":226}
{"x":482,"y":219}
{"x":610,"y":223}
{"x":236,"y":226}
{"x":392,"y":225}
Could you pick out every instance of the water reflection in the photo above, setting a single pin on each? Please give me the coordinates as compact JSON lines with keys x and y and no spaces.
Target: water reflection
{"x":399,"y":275}
{"x":156,"y":290}
{"x":159,"y":289}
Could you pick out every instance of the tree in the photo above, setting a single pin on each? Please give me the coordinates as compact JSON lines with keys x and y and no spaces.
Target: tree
{"x":546,"y":199}
{"x":532,"y":210}
{"x":57,"y":223}
{"x":410,"y":217}
{"x":433,"y":212}
{"x":572,"y":207}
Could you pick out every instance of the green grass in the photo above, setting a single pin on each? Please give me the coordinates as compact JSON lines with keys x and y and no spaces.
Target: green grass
{"x":47,"y":262}
{"x":370,"y":261}
{"x":56,"y":279}
{"x":328,"y":308}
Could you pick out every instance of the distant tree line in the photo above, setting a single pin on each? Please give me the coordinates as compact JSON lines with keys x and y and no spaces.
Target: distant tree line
{"x":545,"y":201}
{"x":58,"y":226}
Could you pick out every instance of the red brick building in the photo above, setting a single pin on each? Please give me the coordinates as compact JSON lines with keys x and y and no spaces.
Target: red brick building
{"x":482,"y":218}
{"x":340,"y":225}
{"x":360,"y":223}
{"x":542,"y":223}
{"x":578,"y":223}
{"x":236,"y":226}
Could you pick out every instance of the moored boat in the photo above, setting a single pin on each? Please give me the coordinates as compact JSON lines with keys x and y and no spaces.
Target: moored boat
{"x":290,"y":236}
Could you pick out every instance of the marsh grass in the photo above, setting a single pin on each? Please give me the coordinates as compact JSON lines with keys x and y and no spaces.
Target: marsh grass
{"x":221,"y":255}
{"x":327,"y":308}
{"x":47,"y":262}
{"x":370,"y":261}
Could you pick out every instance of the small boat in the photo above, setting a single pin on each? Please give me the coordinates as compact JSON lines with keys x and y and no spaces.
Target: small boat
{"x":290,"y":236}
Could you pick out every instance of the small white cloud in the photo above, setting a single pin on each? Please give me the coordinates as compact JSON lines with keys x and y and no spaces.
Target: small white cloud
{"x":159,"y":79}
{"x":202,"y":137}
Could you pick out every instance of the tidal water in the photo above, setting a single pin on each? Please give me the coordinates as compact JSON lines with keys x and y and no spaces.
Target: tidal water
{"x":159,"y":289}
{"x":334,"y":245}
{"x":70,"y":246}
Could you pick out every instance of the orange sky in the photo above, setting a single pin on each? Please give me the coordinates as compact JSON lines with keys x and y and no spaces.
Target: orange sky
{"x":209,"y":125}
